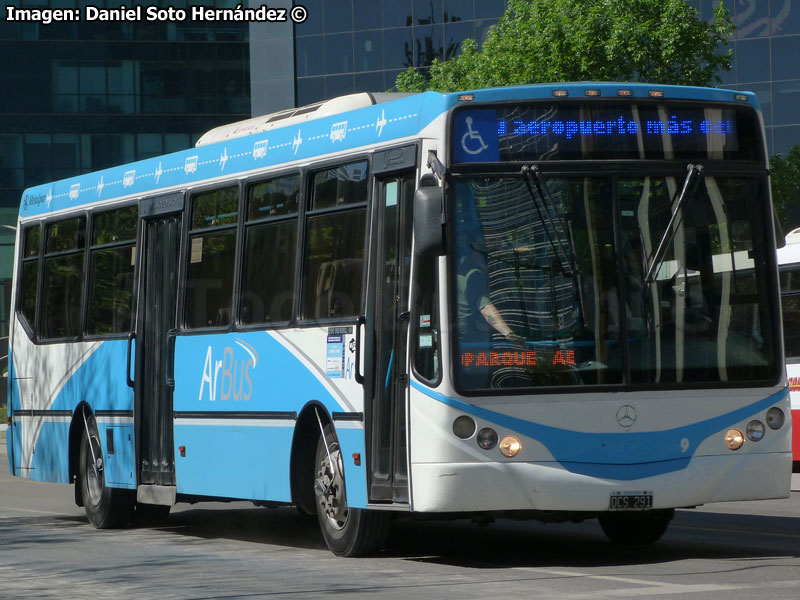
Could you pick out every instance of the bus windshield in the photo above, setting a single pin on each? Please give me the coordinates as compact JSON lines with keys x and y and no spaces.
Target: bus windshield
{"x":551,"y":282}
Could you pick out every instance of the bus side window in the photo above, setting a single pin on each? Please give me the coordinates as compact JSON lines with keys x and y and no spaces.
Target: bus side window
{"x":212,"y":252}
{"x":333,"y":273}
{"x":30,"y":274}
{"x":111,"y":266}
{"x":270,"y":248}
{"x":426,"y":302}
{"x":790,"y":300}
{"x":63,"y":278}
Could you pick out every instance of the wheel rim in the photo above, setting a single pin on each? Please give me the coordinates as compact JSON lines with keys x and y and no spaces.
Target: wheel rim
{"x":94,"y":471}
{"x":330,"y":486}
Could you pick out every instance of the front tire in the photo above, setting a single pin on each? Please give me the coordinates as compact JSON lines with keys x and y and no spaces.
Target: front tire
{"x":636,"y":528}
{"x":347,"y":531}
{"x":106,"y":508}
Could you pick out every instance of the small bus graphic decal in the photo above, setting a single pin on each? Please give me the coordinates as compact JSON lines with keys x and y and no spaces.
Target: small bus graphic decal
{"x":191,"y":165}
{"x":338,"y":131}
{"x":260,"y":149}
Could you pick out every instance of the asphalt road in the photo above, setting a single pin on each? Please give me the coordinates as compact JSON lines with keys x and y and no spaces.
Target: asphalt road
{"x":47,"y":550}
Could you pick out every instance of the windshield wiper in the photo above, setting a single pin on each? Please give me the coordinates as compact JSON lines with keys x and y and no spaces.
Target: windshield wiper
{"x":695,"y":173}
{"x":533,"y":177}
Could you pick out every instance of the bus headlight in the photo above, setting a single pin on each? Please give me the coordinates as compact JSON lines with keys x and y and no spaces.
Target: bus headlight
{"x":755,"y":431}
{"x":510,"y":446}
{"x":487,"y":438}
{"x":734,"y":439}
{"x":775,"y":418}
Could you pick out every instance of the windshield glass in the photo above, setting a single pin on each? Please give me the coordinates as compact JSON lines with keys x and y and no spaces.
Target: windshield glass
{"x":550,"y":282}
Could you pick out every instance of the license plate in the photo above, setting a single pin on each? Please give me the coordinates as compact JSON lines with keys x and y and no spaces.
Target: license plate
{"x":631,"y":501}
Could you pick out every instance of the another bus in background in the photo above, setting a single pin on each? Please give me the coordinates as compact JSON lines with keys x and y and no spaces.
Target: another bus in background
{"x":789,"y":265}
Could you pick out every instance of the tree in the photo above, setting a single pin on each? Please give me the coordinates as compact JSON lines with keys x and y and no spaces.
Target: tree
{"x":785,"y":178}
{"x":537,"y":41}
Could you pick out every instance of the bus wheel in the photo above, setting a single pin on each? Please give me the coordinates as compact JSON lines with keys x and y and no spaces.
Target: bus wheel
{"x":636,"y":528}
{"x":347,"y":531}
{"x":105,"y":507}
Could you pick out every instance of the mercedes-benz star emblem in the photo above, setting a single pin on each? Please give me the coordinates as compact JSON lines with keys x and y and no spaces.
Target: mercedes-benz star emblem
{"x":626,"y":416}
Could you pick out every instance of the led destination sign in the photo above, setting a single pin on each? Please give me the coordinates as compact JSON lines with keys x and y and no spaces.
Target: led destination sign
{"x":602,"y":131}
{"x":618,"y":126}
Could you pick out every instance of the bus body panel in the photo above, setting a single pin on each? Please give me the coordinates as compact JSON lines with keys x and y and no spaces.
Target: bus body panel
{"x":668,"y":441}
{"x":236,"y":400}
{"x":452,"y":487}
{"x":43,"y":406}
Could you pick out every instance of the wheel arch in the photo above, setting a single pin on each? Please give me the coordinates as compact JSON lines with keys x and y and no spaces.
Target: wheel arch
{"x":303,"y":454}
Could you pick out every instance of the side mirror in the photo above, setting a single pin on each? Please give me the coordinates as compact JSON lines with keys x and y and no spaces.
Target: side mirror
{"x":428,"y":210}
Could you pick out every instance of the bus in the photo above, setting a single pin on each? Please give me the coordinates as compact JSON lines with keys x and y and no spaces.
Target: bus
{"x":555,"y":302}
{"x":789,"y":265}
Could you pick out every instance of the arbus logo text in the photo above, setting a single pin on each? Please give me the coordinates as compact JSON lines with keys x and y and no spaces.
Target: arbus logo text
{"x":229,"y":377}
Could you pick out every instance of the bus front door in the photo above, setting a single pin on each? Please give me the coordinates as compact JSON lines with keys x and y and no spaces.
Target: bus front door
{"x":155,"y":325}
{"x":387,"y":386}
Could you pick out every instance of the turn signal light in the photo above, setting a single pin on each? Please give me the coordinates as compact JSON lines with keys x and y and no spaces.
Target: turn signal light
{"x":510,"y":446}
{"x":734,"y":439}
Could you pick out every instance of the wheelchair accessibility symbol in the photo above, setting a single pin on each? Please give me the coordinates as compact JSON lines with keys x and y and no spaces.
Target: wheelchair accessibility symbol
{"x":471,"y":141}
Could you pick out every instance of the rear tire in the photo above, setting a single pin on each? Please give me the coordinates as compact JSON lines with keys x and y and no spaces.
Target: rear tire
{"x":347,"y":531}
{"x":636,"y":528}
{"x":106,"y":508}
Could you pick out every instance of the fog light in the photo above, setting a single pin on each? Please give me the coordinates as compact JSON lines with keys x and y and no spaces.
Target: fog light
{"x":510,"y":446}
{"x":755,"y":431}
{"x":464,"y":427}
{"x":775,"y":418}
{"x":734,"y":439}
{"x":487,"y":438}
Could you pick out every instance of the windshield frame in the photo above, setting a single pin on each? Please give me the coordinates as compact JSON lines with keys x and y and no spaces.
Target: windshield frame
{"x":614,"y":170}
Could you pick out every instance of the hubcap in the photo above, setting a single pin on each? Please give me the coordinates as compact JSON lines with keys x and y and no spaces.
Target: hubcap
{"x":330,"y":488}
{"x":94,"y":472}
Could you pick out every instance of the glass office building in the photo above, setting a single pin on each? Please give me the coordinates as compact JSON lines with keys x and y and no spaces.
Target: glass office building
{"x":81,"y":96}
{"x":766,"y":60}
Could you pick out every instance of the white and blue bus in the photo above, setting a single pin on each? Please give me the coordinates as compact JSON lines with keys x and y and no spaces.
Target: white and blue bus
{"x":557,"y":302}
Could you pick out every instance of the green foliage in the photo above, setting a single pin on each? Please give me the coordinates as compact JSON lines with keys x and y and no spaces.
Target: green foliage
{"x":538,"y":41}
{"x":785,"y":180}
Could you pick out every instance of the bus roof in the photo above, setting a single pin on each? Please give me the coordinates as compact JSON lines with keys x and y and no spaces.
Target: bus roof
{"x":790,"y":253}
{"x":247,"y":147}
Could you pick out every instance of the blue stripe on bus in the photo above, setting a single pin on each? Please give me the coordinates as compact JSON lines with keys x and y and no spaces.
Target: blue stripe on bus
{"x":99,"y":381}
{"x":234,"y":461}
{"x":622,"y":456}
{"x":50,"y":461}
{"x":311,"y":139}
